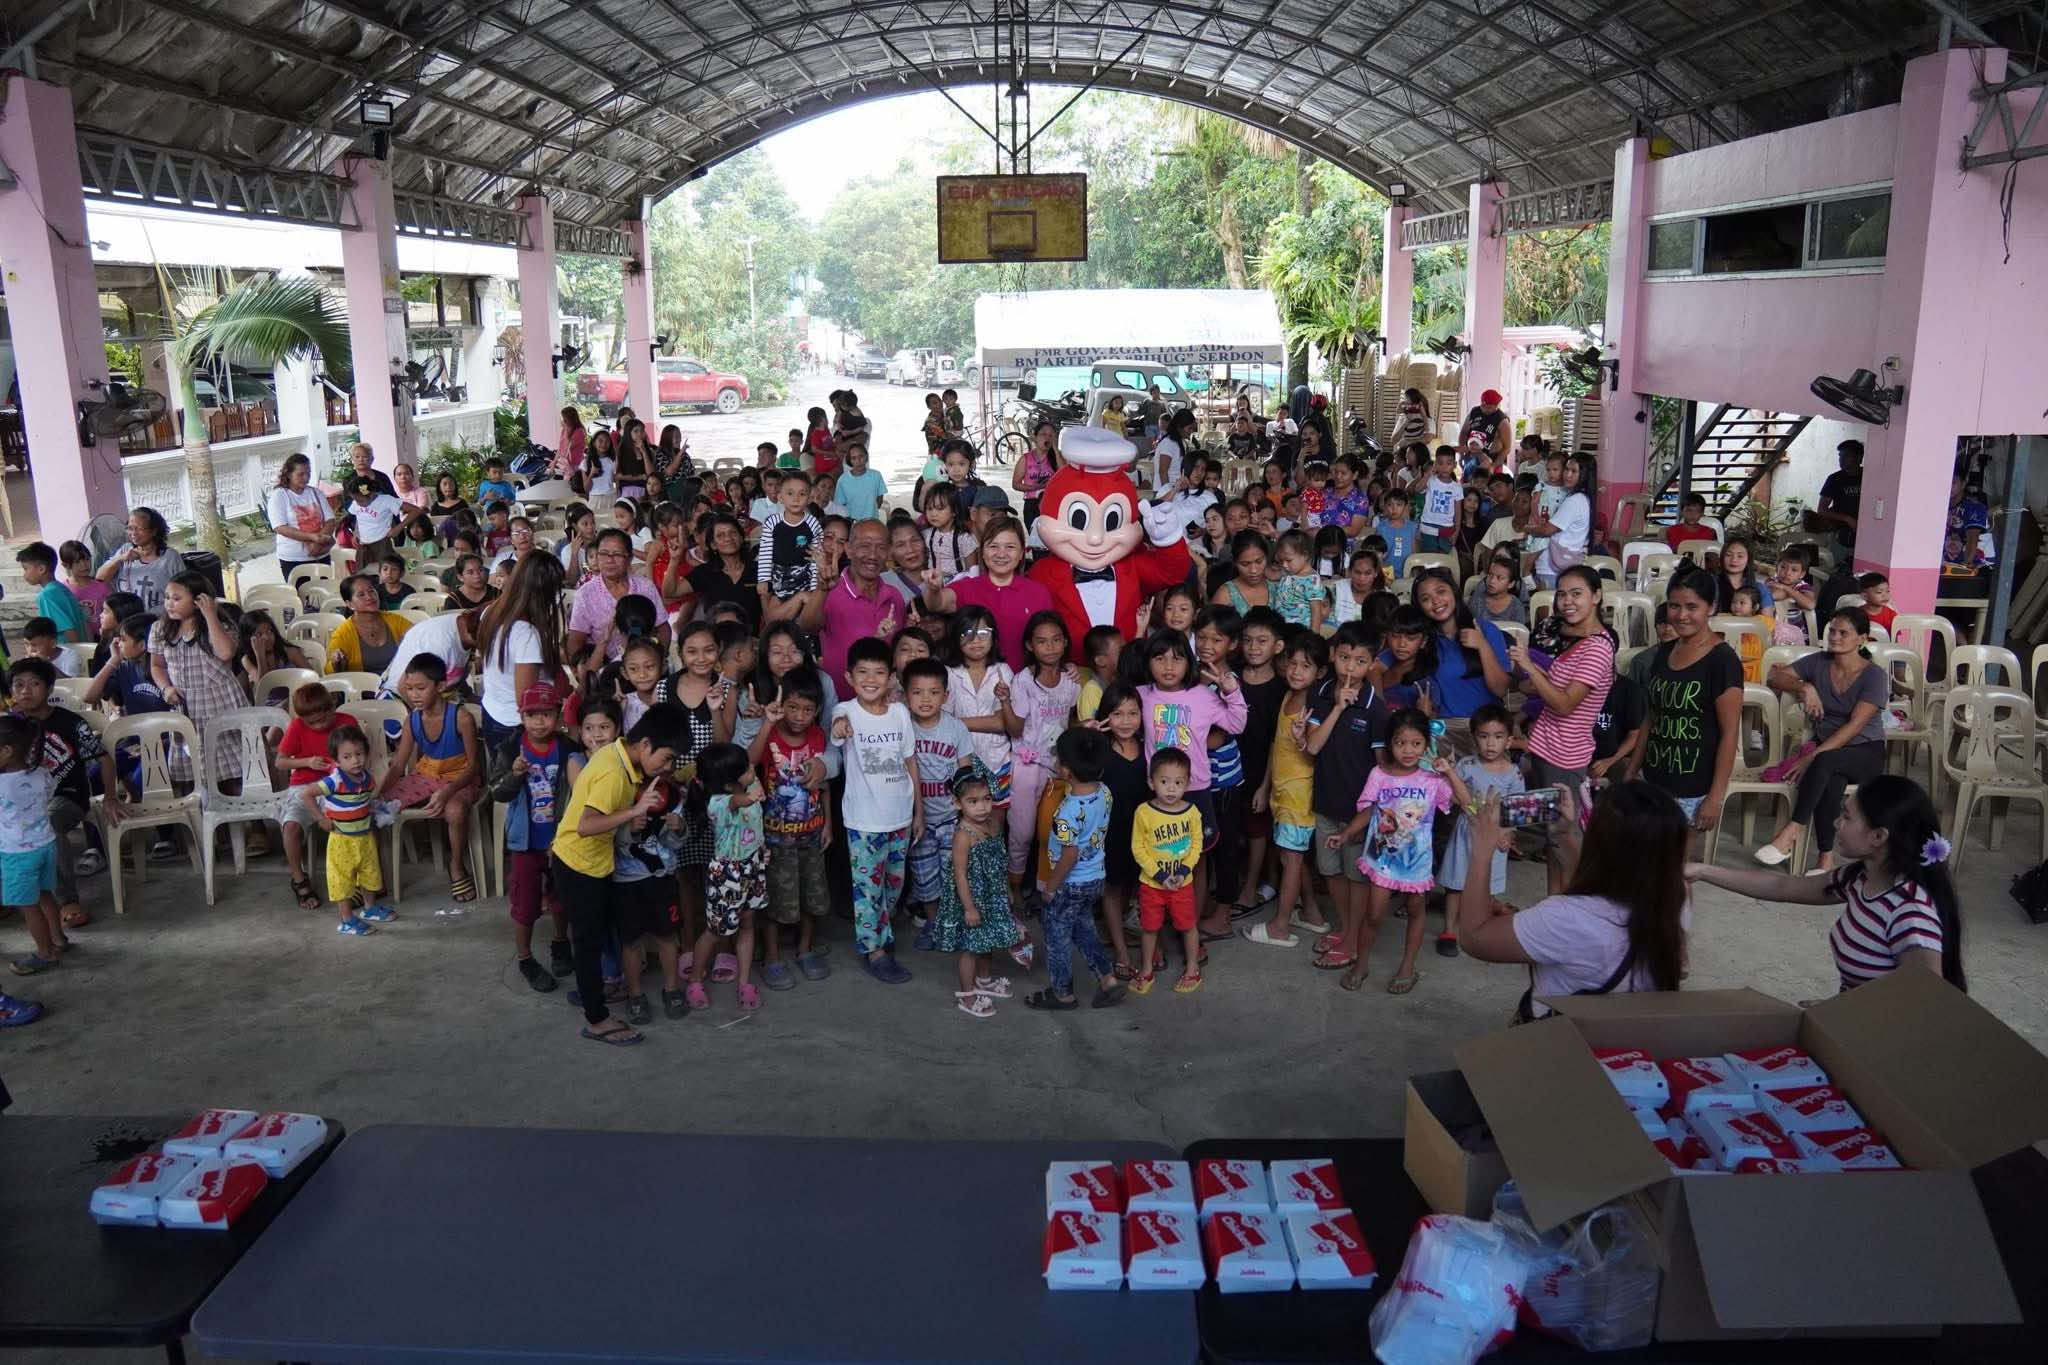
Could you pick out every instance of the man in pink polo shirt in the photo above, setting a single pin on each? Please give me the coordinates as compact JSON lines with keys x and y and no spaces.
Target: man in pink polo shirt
{"x":860,"y":604}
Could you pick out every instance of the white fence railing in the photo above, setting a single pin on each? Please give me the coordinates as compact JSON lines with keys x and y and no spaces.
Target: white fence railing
{"x":245,"y":471}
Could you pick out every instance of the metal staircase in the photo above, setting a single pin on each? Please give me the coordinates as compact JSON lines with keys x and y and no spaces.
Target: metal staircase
{"x":1722,"y":458}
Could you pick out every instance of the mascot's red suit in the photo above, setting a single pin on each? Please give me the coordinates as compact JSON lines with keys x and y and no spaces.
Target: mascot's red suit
{"x":1089,"y":517}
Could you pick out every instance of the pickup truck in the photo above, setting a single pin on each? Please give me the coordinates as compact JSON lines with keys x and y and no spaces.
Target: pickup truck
{"x":682,"y":381}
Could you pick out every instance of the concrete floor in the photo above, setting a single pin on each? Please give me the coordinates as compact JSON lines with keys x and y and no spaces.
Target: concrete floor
{"x":254,"y":1003}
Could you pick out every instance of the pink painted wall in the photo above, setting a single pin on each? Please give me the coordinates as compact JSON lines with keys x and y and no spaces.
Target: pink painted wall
{"x":1854,"y":149}
{"x":641,"y":392}
{"x":1757,"y":342}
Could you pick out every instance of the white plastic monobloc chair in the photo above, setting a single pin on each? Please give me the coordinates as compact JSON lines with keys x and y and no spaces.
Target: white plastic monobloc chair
{"x":478,"y":809}
{"x":285,"y":680}
{"x":352,"y":687}
{"x":1747,"y":782}
{"x":283,"y":603}
{"x":251,"y":729}
{"x":1991,"y":758}
{"x":158,"y":804}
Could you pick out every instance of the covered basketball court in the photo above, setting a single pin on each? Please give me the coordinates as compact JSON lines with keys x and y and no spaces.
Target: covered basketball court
{"x":550,"y":127}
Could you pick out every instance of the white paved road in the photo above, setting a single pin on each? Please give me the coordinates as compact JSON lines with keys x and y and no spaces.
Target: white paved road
{"x":897,"y":414}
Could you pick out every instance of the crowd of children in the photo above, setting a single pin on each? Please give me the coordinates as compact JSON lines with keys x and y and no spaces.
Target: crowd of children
{"x":689,"y":776}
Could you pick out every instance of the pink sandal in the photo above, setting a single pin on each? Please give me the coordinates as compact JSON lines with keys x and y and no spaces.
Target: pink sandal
{"x":696,"y":996}
{"x":750,"y":997}
{"x":725,"y":967}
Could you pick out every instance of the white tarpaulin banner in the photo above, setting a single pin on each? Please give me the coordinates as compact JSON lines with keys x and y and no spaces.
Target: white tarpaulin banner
{"x":1058,"y":327}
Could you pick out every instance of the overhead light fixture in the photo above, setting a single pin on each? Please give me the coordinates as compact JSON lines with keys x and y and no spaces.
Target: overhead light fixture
{"x":1398,"y":191}
{"x":376,"y":112}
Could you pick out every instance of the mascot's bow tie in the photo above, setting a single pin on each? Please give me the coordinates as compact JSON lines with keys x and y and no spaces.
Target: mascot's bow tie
{"x":1094,"y":576}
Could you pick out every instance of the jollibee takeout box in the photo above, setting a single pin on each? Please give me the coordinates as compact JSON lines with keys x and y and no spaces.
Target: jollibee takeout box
{"x":1816,"y":1254}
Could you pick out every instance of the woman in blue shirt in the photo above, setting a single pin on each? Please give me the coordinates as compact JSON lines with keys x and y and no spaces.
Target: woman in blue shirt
{"x":1471,"y":657}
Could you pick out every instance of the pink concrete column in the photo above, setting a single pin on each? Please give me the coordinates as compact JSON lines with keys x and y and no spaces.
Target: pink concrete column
{"x":1397,"y":284}
{"x":1625,"y":440}
{"x":639,"y":286}
{"x":540,"y":323}
{"x":376,"y":315}
{"x":1930,"y":313}
{"x":53,"y":310}
{"x":1486,"y":288}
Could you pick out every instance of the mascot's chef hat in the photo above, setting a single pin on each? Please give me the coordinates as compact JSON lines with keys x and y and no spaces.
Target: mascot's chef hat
{"x":1096,"y":449}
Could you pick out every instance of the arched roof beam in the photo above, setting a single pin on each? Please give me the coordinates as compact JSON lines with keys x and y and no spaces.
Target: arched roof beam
{"x":1332,"y":147}
{"x":1205,"y":29}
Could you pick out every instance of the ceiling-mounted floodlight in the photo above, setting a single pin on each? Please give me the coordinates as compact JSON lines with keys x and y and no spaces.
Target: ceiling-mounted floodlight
{"x":1398,"y":191}
{"x":376,"y":112}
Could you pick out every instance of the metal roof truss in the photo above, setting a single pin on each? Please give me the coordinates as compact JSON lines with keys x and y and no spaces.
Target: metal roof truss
{"x":120,"y":170}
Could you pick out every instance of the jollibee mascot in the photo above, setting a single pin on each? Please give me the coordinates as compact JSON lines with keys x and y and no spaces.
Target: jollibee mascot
{"x":1101,"y":565}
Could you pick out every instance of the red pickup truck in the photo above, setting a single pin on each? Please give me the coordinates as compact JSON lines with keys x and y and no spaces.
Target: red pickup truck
{"x":683,"y":382}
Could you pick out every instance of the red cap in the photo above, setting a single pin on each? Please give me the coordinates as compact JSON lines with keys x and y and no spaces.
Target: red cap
{"x":1491,"y":396}
{"x":540,"y":697}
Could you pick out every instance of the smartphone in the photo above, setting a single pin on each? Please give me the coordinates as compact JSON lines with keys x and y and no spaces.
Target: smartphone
{"x":1538,"y":807}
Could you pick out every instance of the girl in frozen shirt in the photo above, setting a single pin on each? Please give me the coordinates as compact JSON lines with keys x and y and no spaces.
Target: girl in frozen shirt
{"x":1181,"y":706}
{"x":1396,"y":813}
{"x":1042,"y":700}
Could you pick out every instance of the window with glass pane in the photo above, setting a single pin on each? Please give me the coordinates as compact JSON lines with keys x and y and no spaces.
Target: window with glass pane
{"x":1671,"y":245}
{"x":1852,"y":229}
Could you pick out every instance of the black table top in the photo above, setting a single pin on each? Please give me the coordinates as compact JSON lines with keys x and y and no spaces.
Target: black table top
{"x":553,"y":1245}
{"x":1330,"y":1326}
{"x":67,"y":1281}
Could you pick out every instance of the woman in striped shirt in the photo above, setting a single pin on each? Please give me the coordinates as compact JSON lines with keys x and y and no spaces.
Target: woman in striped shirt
{"x":1571,"y":686}
{"x":1899,"y":907}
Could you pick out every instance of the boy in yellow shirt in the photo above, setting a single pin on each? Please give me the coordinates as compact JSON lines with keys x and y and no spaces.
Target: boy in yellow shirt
{"x":1166,"y":841}
{"x":613,"y":789}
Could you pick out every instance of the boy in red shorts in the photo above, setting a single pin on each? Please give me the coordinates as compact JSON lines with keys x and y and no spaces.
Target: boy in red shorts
{"x":1166,"y":840}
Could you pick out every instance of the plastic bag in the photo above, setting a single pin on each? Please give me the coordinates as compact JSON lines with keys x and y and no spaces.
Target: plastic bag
{"x":1592,"y":1282}
{"x":1455,"y":1297}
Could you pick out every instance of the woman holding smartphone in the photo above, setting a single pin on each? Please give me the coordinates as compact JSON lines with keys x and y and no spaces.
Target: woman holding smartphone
{"x":1621,"y":920}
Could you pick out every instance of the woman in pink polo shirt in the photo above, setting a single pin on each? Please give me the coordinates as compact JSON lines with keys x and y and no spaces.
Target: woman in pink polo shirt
{"x":999,"y":585}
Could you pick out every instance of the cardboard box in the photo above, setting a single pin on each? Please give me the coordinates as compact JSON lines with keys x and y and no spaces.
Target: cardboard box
{"x":1162,"y":1251}
{"x":1447,"y":1150}
{"x":128,"y":1196}
{"x":212,"y":1195}
{"x":1084,"y":1187}
{"x":277,"y":1142}
{"x":1947,"y":1084}
{"x":1306,"y":1186}
{"x":207,"y":1132}
{"x":1329,"y":1250}
{"x":1247,"y":1252}
{"x":1159,"y":1185}
{"x":1082,"y":1251}
{"x":1224,"y":1184}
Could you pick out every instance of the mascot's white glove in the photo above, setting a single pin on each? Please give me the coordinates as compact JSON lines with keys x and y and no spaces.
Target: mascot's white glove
{"x":1163,"y":522}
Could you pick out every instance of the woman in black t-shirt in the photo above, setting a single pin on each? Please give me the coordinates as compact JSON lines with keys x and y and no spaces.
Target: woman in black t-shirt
{"x":1694,"y":696}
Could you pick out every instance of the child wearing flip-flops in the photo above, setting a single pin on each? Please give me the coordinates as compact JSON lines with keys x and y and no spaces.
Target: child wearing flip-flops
{"x":973,"y":914}
{"x":727,"y":797}
{"x":1396,"y":811}
{"x":438,"y":764}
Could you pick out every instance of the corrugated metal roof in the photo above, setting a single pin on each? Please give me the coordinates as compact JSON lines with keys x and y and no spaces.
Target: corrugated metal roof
{"x":603,"y":101}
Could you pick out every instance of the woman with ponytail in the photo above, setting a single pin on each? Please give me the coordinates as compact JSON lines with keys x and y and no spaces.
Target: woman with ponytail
{"x":1899,"y":907}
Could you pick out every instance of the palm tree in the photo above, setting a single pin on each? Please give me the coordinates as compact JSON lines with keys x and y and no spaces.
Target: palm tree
{"x":259,"y":324}
{"x":1215,"y":142}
